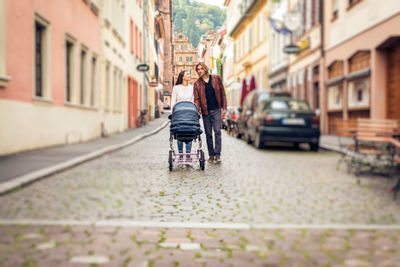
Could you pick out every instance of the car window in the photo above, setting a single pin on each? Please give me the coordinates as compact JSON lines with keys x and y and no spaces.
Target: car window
{"x":291,"y":104}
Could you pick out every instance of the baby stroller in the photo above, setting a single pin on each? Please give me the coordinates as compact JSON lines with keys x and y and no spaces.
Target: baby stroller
{"x":185,"y":127}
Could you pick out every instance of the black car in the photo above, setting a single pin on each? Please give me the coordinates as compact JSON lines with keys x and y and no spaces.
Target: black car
{"x":283,"y":119}
{"x":250,"y":103}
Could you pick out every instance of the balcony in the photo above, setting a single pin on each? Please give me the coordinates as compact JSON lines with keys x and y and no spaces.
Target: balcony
{"x":245,"y":9}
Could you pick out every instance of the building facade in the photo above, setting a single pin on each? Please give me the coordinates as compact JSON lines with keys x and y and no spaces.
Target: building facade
{"x":278,"y":59}
{"x":249,"y":33}
{"x":185,"y":56}
{"x":361,"y":65}
{"x":49,"y":91}
{"x":303,"y":67}
{"x":66,"y":83}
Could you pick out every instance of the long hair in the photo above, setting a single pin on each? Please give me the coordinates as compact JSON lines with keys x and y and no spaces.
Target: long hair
{"x":205,"y":68}
{"x":180,"y":77}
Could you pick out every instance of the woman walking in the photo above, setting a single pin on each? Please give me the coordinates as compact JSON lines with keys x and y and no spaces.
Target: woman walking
{"x":182,"y":91}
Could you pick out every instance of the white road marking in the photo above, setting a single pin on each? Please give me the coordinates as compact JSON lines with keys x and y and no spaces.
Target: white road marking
{"x":216,"y":225}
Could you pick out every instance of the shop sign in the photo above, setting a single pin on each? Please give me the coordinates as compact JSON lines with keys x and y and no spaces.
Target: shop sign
{"x":142,"y":67}
{"x":304,"y":44}
{"x":291,"y":49}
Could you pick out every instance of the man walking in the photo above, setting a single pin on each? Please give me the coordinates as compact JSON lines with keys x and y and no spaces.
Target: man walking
{"x":210,"y":98}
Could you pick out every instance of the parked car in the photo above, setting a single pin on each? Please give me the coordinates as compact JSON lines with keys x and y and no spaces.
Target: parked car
{"x":166,"y":106}
{"x":231,"y":120}
{"x":283,"y":119}
{"x":249,"y":105}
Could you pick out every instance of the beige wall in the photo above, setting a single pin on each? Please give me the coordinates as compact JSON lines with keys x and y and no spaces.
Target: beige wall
{"x":73,"y":125}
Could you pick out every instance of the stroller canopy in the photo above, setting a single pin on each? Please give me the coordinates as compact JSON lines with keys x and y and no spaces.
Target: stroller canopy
{"x":185,"y":119}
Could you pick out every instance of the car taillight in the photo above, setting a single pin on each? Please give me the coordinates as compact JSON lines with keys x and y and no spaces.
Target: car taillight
{"x":268,"y":119}
{"x":315,"y":121}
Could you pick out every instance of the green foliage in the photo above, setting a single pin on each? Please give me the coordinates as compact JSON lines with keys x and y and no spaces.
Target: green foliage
{"x":196,"y":18}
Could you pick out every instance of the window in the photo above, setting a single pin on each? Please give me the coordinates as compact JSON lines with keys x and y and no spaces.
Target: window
{"x":69,"y":48}
{"x":3,"y":77}
{"x":335,"y":96}
{"x":180,"y":59}
{"x":187,"y":59}
{"x":335,"y":9}
{"x":136,"y":41}
{"x":108,"y":87}
{"x":191,"y":59}
{"x":82,"y":77}
{"x":353,"y":2}
{"x":131,"y":35}
{"x":186,"y":47}
{"x":93,"y":81}
{"x":140,"y":46}
{"x":42,"y":56}
{"x":39,"y":32}
{"x":116,"y":89}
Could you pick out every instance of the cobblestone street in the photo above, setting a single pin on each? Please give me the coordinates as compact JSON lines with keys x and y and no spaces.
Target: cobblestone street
{"x":253,"y":190}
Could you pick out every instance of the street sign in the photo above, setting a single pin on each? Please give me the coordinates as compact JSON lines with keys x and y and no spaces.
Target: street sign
{"x":142,"y":67}
{"x":291,"y":49}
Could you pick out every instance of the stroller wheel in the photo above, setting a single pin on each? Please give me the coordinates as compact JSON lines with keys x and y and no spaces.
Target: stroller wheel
{"x":170,"y":160}
{"x":202,"y":160}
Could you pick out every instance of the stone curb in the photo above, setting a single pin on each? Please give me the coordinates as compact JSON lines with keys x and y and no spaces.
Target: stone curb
{"x":41,"y":173}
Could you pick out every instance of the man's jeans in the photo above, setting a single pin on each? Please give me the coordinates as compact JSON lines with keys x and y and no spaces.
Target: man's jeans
{"x":213,"y":121}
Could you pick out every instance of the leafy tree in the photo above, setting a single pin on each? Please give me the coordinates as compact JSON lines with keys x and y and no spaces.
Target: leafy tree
{"x":196,"y":18}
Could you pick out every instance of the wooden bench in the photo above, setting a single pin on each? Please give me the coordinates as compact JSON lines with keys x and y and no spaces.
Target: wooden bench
{"x":374,"y":151}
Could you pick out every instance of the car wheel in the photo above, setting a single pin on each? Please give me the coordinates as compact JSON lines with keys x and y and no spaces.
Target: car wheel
{"x":257,"y":142}
{"x":314,"y":146}
{"x":296,"y":145}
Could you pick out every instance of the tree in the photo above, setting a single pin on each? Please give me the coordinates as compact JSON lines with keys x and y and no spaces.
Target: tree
{"x":187,"y":12}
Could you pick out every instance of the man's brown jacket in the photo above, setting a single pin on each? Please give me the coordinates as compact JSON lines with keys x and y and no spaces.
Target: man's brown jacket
{"x":199,"y":91}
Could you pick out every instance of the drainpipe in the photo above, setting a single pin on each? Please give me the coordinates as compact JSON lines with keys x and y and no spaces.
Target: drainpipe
{"x":323,"y":91}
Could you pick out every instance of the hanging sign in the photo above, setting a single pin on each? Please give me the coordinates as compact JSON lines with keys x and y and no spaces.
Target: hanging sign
{"x":142,"y":67}
{"x":291,"y":49}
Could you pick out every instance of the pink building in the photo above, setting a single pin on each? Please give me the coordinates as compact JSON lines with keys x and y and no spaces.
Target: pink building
{"x":361,"y":67}
{"x":49,"y":79}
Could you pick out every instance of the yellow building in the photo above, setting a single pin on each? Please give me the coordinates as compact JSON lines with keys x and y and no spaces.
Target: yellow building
{"x":248,"y":31}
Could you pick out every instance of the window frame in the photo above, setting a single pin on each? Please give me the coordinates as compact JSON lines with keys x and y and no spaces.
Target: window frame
{"x":3,"y":47}
{"x":45,"y":58}
{"x":72,"y":78}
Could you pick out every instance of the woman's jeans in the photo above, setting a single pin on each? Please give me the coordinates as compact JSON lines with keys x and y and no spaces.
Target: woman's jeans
{"x":188,"y":146}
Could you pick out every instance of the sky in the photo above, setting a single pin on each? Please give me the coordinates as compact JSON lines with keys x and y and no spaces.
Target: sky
{"x":219,"y":3}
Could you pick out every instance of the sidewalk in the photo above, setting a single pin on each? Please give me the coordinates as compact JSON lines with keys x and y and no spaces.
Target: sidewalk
{"x":25,"y":167}
{"x":331,"y":142}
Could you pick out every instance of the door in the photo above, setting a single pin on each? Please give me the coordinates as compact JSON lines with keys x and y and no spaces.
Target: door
{"x":393,"y":82}
{"x":132,"y":102}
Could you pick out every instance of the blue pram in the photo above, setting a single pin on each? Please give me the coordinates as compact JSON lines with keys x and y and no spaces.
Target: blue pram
{"x":185,"y":127}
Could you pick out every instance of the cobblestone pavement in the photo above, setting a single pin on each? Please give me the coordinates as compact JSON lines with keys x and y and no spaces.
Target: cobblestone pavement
{"x":115,"y":246}
{"x":272,"y":186}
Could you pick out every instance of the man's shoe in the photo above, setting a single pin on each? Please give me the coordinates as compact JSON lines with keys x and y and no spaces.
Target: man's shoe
{"x":218,"y":160}
{"x":211,"y":160}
